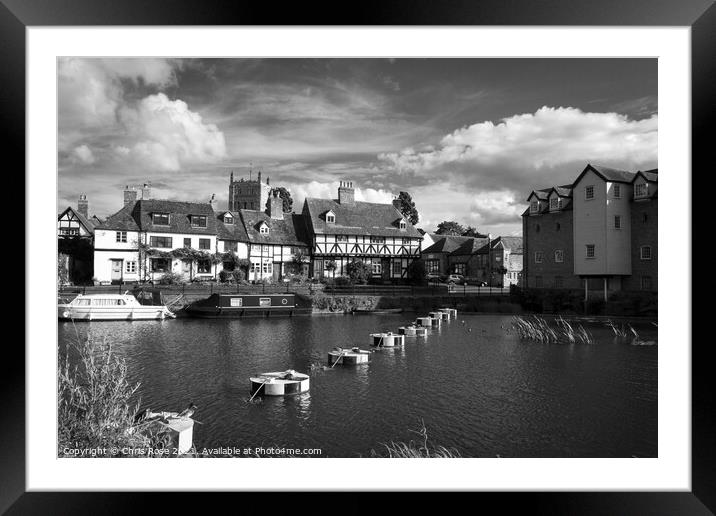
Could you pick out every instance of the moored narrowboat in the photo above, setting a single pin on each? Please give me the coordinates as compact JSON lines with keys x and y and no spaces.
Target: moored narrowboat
{"x":247,"y":305}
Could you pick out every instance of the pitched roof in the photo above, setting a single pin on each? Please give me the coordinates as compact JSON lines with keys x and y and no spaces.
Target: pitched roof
{"x":608,"y":174}
{"x":471,"y":246}
{"x":235,"y":231}
{"x":122,"y":220}
{"x":540,"y":194}
{"x":179,"y":213}
{"x":359,"y":218}
{"x":291,"y":230}
{"x":446,"y":243}
{"x":563,"y":191}
{"x":88,"y":223}
{"x":650,"y":175}
{"x":513,"y":243}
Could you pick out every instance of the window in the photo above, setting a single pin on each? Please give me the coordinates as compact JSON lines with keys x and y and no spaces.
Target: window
{"x":377,"y":269}
{"x":159,"y":264}
{"x":204,"y":243}
{"x":160,"y":219}
{"x":432,"y":266}
{"x":640,"y":190}
{"x":406,"y":241}
{"x":537,"y":228}
{"x":203,"y":266}
{"x":645,"y":252}
{"x":130,"y":267}
{"x":589,"y":192}
{"x":558,"y":282}
{"x":341,"y":238}
{"x":187,"y":242}
{"x":589,"y":249}
{"x":198,"y":221}
{"x":397,"y":268}
{"x":538,"y":281}
{"x":498,"y":258}
{"x":617,"y":221}
{"x":559,"y":256}
{"x":228,"y":219}
{"x":534,"y":206}
{"x":557,"y":226}
{"x":267,"y":268}
{"x":402,"y":224}
{"x":264,"y":229}
{"x":617,"y":191}
{"x":459,"y":268}
{"x":646,"y":282}
{"x":157,"y":241}
{"x":121,"y":236}
{"x":538,"y":256}
{"x":265,"y":249}
{"x":255,"y":266}
{"x":377,"y":240}
{"x":232,"y":247}
{"x":70,"y":231}
{"x":555,"y":203}
{"x":330,"y":217}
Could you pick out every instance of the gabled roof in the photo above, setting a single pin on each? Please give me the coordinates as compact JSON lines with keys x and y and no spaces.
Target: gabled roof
{"x":123,"y":220}
{"x":471,"y":246}
{"x":562,"y":191}
{"x":613,"y":175}
{"x":89,"y":224}
{"x":652,"y":176}
{"x":235,"y":231}
{"x":179,"y":213}
{"x":512,"y":243}
{"x":358,"y":218}
{"x":291,"y":230}
{"x":446,"y":243}
{"x":540,"y":194}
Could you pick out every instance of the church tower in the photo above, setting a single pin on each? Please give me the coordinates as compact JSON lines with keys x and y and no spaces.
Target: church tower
{"x":248,"y":194}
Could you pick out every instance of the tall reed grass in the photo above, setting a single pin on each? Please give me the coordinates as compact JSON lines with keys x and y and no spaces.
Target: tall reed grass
{"x":413,"y":449}
{"x":538,"y":329}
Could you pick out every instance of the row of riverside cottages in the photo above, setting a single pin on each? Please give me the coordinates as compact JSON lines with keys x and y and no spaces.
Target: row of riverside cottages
{"x":598,"y":234}
{"x":149,"y":238}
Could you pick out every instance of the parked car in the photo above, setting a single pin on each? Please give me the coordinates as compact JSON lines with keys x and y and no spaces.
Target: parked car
{"x":455,"y":278}
{"x":433,"y":277}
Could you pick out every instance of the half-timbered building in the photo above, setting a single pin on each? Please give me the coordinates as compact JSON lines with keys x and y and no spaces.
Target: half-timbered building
{"x":344,"y":230}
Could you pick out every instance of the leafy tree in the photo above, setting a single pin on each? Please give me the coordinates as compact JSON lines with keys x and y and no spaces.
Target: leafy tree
{"x":471,"y":232}
{"x":417,"y":271}
{"x":359,"y":272}
{"x":406,"y":206}
{"x":450,"y":228}
{"x":330,"y":265}
{"x":285,"y":195}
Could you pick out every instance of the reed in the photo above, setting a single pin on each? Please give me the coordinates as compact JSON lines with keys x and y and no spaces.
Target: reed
{"x":619,"y":331}
{"x":415,"y":450}
{"x":538,"y":329}
{"x":94,"y":404}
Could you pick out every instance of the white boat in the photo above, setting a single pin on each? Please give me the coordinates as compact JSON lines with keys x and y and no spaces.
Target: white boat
{"x":110,"y":307}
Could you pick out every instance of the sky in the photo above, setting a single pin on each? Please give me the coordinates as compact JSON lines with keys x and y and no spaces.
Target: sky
{"x":469,"y":139}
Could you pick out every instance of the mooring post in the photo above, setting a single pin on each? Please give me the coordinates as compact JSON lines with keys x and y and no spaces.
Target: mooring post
{"x":182,"y":432}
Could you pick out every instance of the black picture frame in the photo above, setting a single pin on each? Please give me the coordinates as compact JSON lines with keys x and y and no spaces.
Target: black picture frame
{"x":700,"y":15}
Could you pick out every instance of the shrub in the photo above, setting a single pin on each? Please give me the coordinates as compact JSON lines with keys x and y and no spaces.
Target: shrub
{"x":94,"y":403}
{"x":359,"y":272}
{"x":238,"y":275}
{"x":226,"y":276}
{"x":417,"y":272}
{"x":171,"y":278}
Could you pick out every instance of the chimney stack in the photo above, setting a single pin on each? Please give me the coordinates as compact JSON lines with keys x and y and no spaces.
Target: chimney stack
{"x":83,"y":206}
{"x":275,"y":207}
{"x":213,"y":202}
{"x":346,"y":193}
{"x":130,"y":195}
{"x":147,"y":191}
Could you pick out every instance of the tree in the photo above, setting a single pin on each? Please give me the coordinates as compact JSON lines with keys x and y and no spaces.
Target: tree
{"x":450,"y":228}
{"x":417,"y":272}
{"x":471,"y":232}
{"x":359,"y":272}
{"x":406,"y":206}
{"x":330,"y":265}
{"x":285,"y":195}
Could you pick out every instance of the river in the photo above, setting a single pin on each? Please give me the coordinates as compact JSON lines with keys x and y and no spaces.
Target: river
{"x":476,"y":387}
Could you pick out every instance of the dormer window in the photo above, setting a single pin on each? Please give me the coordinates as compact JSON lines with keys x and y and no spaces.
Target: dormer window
{"x":160,"y":219}
{"x":534,"y":206}
{"x":228,"y":219}
{"x":640,"y":190}
{"x":555,"y":203}
{"x":330,"y":217}
{"x":401,"y":224}
{"x":264,"y":229}
{"x":198,"y":221}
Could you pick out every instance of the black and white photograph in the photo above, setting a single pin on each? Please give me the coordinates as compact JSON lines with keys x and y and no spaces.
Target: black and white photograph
{"x":364,"y":257}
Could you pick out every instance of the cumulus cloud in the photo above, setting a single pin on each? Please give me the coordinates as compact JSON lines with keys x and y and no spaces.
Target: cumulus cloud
{"x":151,"y":132}
{"x":83,"y":154}
{"x":528,"y":144}
{"x":320,"y":190}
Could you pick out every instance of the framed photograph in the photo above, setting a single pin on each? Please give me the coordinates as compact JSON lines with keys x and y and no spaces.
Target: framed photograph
{"x":352,"y":243}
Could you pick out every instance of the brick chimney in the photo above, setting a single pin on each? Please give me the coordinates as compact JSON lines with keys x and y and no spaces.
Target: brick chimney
{"x":83,"y":205}
{"x":346,"y":193}
{"x":147,"y":191}
{"x":130,"y":195}
{"x":214,"y":202}
{"x":275,"y":207}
